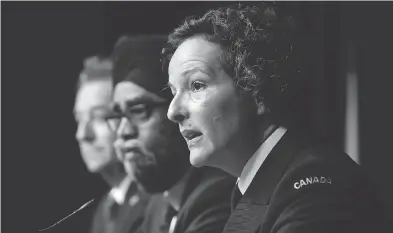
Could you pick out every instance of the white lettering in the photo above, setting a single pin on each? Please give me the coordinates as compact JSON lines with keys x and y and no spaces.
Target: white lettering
{"x":311,"y":180}
{"x":302,"y":183}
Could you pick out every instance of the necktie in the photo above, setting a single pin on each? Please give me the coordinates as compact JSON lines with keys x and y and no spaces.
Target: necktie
{"x":111,"y":210}
{"x":236,"y":196}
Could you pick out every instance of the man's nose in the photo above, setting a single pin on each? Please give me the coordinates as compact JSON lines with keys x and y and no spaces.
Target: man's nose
{"x":127,"y":129}
{"x":84,"y":132}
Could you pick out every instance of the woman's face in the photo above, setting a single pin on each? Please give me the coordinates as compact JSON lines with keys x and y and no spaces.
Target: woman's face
{"x":214,"y":117}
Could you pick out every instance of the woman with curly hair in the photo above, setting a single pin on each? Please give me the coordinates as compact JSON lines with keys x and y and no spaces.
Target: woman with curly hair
{"x":229,"y":72}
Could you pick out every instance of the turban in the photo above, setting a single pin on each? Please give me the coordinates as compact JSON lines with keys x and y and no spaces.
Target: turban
{"x":137,"y":59}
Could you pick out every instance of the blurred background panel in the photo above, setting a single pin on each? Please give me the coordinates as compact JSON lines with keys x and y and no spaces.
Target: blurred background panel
{"x":43,"y":176}
{"x":346,"y":49}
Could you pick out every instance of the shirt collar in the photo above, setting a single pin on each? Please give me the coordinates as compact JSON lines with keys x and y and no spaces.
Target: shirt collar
{"x":174,"y":195}
{"x":255,"y":162}
{"x":119,"y":192}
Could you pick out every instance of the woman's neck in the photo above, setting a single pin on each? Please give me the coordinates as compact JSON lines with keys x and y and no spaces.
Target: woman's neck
{"x":237,"y":156}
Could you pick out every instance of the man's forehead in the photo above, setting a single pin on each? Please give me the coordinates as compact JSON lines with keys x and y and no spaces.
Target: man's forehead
{"x":92,"y":95}
{"x":129,"y":93}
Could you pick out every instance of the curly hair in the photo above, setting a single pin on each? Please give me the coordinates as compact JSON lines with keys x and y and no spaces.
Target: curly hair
{"x":257,"y":46}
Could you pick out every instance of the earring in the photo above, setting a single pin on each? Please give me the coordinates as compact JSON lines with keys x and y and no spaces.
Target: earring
{"x":261,"y":109}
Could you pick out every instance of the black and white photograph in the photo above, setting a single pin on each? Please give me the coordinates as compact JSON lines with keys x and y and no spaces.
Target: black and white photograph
{"x":196,"y":116}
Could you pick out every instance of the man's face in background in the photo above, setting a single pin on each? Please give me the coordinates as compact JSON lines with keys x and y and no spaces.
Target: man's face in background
{"x":94,"y":136}
{"x":146,"y":139}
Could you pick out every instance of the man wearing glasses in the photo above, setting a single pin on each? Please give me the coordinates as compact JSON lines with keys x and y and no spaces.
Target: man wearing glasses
{"x":121,"y":210}
{"x":152,"y":149}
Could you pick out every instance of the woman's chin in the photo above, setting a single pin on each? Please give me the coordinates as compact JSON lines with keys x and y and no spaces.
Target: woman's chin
{"x":198,"y":158}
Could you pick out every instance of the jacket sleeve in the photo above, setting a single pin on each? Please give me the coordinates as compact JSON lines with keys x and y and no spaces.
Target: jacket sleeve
{"x":319,"y":198}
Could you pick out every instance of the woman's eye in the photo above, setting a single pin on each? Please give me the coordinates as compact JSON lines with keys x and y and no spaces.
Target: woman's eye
{"x":197,"y":86}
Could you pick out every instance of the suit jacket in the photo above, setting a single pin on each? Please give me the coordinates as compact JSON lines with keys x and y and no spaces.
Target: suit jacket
{"x":130,"y":214}
{"x":205,"y":204}
{"x":305,"y":186}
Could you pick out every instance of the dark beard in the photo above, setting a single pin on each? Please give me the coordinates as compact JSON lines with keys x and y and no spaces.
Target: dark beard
{"x":161,"y":175}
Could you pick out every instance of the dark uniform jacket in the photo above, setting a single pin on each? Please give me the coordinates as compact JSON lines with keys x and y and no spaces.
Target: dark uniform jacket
{"x":308,"y":187}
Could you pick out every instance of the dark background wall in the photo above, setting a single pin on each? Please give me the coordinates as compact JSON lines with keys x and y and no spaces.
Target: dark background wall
{"x":44,"y":43}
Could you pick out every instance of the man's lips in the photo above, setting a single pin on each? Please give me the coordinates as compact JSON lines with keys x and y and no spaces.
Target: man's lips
{"x":92,"y":149}
{"x":130,"y":154}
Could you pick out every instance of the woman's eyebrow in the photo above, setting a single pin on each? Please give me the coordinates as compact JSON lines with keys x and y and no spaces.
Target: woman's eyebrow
{"x":195,"y":69}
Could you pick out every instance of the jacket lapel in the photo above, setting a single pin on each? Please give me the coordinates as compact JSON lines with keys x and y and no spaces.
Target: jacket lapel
{"x":246,"y":217}
{"x":250,"y":211}
{"x":131,"y":213}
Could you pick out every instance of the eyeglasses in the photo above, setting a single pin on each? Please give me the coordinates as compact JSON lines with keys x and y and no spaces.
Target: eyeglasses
{"x":135,"y":114}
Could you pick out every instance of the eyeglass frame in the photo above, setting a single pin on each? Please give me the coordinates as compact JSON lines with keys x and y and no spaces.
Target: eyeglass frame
{"x":149,"y":107}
